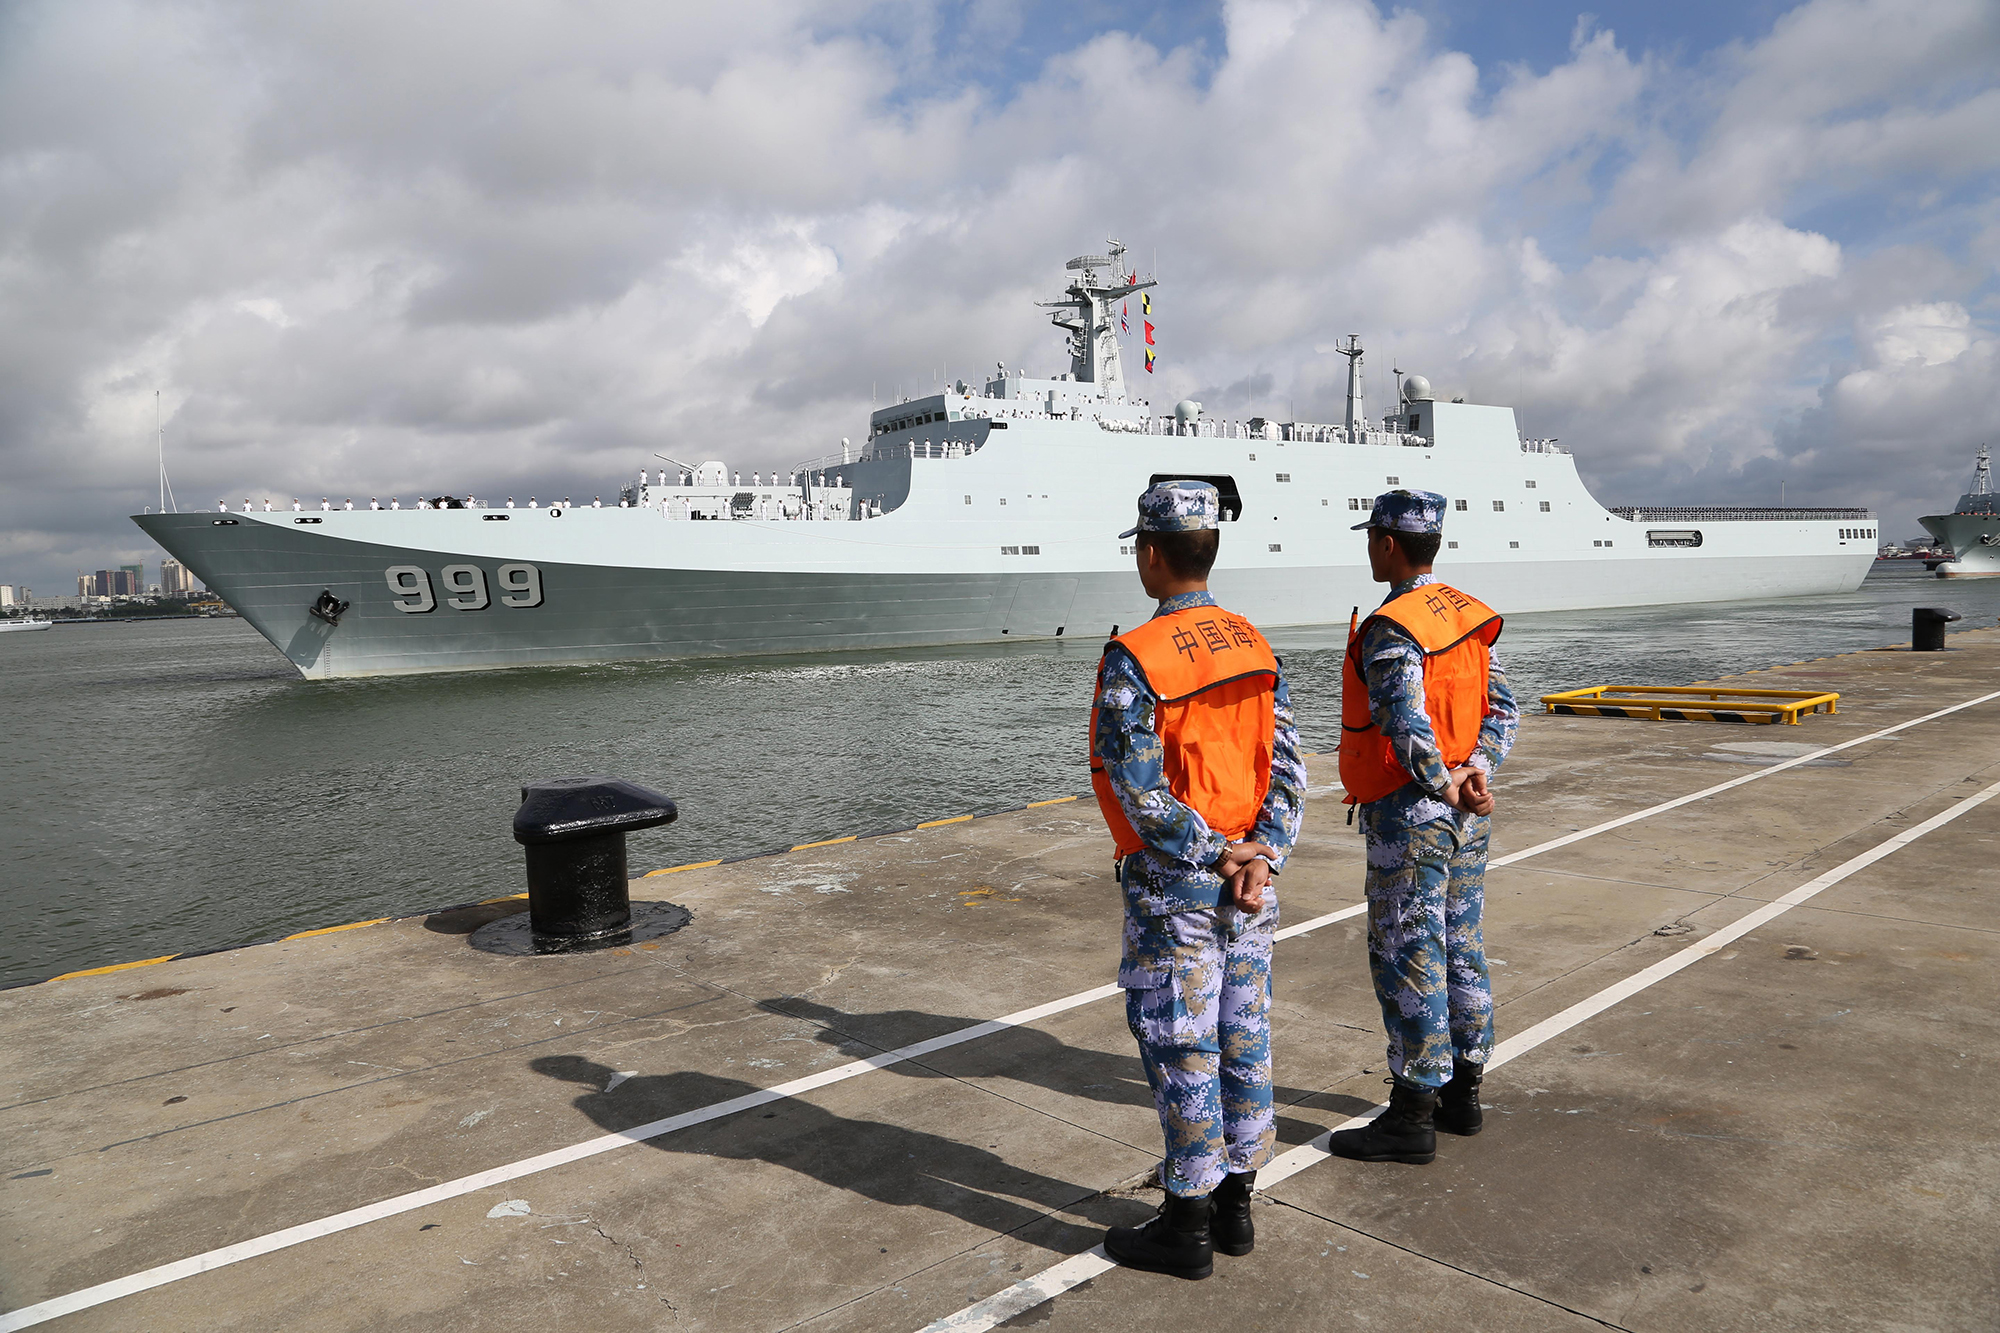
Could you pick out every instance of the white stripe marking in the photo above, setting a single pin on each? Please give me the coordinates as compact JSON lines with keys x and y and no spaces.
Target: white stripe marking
{"x":1732,"y":784}
{"x":85,"y":1298}
{"x":1054,"y":1281}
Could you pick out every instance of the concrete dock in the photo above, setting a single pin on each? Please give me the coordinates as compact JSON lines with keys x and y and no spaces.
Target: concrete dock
{"x":1748,"y":1037}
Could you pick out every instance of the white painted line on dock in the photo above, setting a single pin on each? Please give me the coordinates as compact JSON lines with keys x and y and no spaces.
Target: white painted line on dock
{"x":1053,"y":1281}
{"x":29,"y":1315}
{"x":86,"y":1298}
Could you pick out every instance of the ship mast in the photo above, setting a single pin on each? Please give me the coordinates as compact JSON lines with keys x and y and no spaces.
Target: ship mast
{"x":1085,"y":314}
{"x":1982,"y":473}
{"x":1357,"y":415}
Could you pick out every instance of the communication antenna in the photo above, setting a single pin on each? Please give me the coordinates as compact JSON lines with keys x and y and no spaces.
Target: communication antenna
{"x":160,"y":436}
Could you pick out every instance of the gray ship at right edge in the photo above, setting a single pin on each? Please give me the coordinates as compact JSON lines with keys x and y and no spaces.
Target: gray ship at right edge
{"x":1972,"y":530}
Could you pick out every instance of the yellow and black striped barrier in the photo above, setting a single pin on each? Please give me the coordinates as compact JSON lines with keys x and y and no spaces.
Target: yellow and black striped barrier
{"x":1691,"y":703}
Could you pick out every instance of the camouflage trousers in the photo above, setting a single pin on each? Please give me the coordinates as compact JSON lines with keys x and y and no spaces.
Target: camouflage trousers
{"x":1198,"y":999}
{"x":1426,"y":956}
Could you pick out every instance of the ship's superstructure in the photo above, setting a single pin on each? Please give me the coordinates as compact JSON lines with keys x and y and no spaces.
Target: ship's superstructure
{"x":1972,"y":528}
{"x":981,"y":513}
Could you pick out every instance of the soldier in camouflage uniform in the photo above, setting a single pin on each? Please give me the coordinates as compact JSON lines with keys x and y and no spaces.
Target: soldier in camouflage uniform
{"x":1427,"y":837}
{"x":1200,"y":907}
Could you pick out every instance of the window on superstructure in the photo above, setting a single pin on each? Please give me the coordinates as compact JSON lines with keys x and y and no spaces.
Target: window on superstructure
{"x":1545,"y":506}
{"x":1461,"y":506}
{"x":1531,"y":485}
{"x":1513,"y":546}
{"x":1499,"y":506}
{"x":1353,"y":502}
{"x":1393,"y":481}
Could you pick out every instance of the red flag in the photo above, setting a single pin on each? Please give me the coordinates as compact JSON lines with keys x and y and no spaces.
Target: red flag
{"x":1149,"y":333}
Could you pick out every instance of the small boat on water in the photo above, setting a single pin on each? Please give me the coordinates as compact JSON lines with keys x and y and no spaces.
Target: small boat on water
{"x":6,"y":625}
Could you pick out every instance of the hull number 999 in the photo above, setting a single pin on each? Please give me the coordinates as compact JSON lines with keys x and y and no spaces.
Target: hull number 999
{"x":464,"y":587}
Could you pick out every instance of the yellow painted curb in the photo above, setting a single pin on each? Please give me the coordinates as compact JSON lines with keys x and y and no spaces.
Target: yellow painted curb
{"x":1036,"y":805}
{"x":825,"y":842}
{"x":115,"y":967}
{"x":696,"y":865}
{"x":510,"y":898}
{"x":940,"y":823}
{"x":330,"y":930}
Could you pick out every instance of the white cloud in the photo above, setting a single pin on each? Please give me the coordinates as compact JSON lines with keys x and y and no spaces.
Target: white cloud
{"x":518,"y":247}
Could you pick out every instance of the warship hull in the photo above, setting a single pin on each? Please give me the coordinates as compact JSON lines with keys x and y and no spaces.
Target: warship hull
{"x":1974,"y":540}
{"x":973,"y":552}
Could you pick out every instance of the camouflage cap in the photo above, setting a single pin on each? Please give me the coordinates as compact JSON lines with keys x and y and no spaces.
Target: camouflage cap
{"x":1178,"y":506}
{"x":1406,"y":511}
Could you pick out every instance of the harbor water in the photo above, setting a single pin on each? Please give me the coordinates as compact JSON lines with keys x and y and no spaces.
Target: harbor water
{"x":174,"y":786}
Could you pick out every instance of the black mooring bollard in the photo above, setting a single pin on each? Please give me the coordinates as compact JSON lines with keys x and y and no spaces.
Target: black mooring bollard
{"x":1927,"y":628}
{"x":573,"y":831}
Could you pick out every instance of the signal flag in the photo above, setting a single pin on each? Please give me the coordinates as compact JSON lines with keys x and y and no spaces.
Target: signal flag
{"x":1145,"y":303}
{"x":1149,"y":360}
{"x":1149,"y":333}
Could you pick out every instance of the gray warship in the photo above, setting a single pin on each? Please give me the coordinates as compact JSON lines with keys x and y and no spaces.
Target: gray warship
{"x":981,"y":513}
{"x":1972,"y":529}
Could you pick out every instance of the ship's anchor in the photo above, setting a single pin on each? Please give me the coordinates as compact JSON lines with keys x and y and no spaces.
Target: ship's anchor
{"x":328,"y":607}
{"x":1989,"y":539}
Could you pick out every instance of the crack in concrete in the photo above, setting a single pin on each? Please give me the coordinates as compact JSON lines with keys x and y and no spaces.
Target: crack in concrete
{"x":638,"y":1264}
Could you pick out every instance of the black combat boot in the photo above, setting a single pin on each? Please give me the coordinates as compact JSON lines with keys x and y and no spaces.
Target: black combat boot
{"x":1458,"y":1101}
{"x":1403,"y":1133}
{"x":1174,"y":1242}
{"x":1229,"y":1225}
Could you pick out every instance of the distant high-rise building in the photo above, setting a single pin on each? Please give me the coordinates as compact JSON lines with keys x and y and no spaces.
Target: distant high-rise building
{"x":9,"y":597}
{"x":175,"y":581}
{"x":138,"y":573}
{"x":120,"y":582}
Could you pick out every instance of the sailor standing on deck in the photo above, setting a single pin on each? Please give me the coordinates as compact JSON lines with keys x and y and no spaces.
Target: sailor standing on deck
{"x":1426,"y":717}
{"x":1195,"y":762}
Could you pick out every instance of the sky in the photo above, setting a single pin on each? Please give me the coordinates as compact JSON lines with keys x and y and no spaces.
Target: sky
{"x":1724,"y":252}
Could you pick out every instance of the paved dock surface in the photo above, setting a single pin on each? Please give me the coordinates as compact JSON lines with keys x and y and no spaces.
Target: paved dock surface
{"x":386,"y":1129}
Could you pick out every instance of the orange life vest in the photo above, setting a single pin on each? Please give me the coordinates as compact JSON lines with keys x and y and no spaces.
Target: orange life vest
{"x":1456,"y":634}
{"x":1215,"y":679}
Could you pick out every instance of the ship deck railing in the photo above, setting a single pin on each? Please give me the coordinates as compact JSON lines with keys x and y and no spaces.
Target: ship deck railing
{"x":1691,"y":703}
{"x":1737,"y":514}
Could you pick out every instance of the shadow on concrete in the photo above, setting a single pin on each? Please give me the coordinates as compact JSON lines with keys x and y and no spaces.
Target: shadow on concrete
{"x":1026,"y":1055}
{"x":908,"y":1168}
